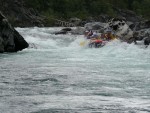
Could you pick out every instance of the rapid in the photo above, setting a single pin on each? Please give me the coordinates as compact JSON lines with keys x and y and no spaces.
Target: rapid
{"x":56,"y":75}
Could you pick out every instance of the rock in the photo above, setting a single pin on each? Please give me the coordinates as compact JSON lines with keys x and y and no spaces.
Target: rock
{"x":78,"y":31}
{"x":121,"y":29}
{"x":95,"y":26}
{"x":19,"y":41}
{"x":90,"y":19}
{"x":60,"y":32}
{"x":1,"y":45}
{"x":75,"y":21}
{"x":143,"y":25}
{"x":147,"y":41}
{"x":66,"y":29}
{"x":103,"y":18}
{"x":137,"y":36}
{"x":63,"y":31}
{"x":128,"y":15}
{"x":82,"y":23}
{"x":10,"y":39}
{"x":19,"y":15}
{"x":142,"y":35}
{"x":131,"y":25}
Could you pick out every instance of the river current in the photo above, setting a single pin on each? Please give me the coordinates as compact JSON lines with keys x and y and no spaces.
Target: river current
{"x":56,"y":75}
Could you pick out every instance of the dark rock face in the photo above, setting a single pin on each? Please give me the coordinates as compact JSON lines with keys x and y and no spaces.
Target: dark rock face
{"x":103,"y":18}
{"x":63,"y":31}
{"x":19,"y":42}
{"x":147,"y":41}
{"x":10,"y":39}
{"x":143,"y":25}
{"x":143,"y":34}
{"x":20,"y":16}
{"x":128,"y":15}
{"x":66,"y":29}
{"x":60,"y":32}
{"x":95,"y":26}
{"x":75,"y":21}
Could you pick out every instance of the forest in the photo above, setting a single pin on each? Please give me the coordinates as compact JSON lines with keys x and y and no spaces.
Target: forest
{"x":84,"y":8}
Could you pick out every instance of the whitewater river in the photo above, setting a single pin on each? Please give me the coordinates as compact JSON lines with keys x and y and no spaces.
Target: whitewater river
{"x":56,"y":75}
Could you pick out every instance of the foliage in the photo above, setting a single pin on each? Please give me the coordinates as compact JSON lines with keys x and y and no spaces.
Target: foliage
{"x":84,"y":8}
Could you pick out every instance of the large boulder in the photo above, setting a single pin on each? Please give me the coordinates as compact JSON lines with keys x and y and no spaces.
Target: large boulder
{"x":121,"y":29}
{"x":63,"y":31}
{"x":74,"y":31}
{"x":147,"y":41}
{"x":95,"y":26}
{"x":10,"y":39}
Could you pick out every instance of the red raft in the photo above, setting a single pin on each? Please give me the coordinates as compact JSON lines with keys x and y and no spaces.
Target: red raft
{"x":97,"y":43}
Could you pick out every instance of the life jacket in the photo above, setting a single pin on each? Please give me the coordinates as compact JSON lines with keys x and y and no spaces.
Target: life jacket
{"x":88,"y":35}
{"x":110,"y":37}
{"x":98,"y":41}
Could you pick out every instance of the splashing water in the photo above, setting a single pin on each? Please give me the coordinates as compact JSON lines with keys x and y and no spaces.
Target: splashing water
{"x":57,"y":75}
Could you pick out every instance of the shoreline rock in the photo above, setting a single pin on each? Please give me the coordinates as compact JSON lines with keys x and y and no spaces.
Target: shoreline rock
{"x":10,"y":39}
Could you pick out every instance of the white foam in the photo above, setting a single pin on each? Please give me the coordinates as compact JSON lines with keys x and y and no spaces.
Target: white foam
{"x":60,"y":74}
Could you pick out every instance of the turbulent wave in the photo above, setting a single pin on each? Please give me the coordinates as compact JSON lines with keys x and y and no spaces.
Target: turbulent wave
{"x":56,"y":74}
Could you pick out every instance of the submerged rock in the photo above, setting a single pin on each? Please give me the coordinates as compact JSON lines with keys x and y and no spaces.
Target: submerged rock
{"x":74,"y":31}
{"x":147,"y":41}
{"x":63,"y":31}
{"x":10,"y":39}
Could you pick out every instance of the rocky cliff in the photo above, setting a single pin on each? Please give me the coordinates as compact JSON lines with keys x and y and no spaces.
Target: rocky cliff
{"x":19,"y":14}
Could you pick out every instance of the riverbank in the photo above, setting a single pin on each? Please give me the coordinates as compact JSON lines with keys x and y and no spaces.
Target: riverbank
{"x":21,"y":13}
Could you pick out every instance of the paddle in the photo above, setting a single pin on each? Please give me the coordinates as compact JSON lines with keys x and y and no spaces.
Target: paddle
{"x":82,"y":43}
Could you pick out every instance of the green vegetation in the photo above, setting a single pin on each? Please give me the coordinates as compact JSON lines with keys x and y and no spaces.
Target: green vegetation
{"x":83,"y":8}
